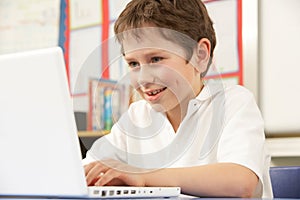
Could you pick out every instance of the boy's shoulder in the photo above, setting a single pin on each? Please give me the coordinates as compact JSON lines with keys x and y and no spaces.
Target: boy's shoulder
{"x":231,"y":95}
{"x":238,"y":91}
{"x":218,"y":89}
{"x":237,"y":96}
{"x":139,"y":108}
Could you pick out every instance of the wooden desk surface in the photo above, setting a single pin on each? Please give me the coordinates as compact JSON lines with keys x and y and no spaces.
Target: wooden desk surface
{"x":92,"y":133}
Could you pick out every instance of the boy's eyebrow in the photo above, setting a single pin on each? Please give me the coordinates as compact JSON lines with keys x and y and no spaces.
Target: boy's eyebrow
{"x":148,"y":52}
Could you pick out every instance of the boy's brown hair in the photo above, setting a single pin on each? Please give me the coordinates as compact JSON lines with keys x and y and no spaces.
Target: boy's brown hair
{"x":188,"y":17}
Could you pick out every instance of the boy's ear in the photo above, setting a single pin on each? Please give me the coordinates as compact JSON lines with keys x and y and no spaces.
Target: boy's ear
{"x":202,"y":54}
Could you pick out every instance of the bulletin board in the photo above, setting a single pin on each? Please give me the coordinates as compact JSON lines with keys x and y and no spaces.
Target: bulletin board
{"x":228,"y":54}
{"x":86,"y":35}
{"x":27,"y":25}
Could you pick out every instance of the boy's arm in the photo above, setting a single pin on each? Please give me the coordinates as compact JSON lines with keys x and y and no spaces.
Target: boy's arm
{"x":219,"y":180}
{"x":213,"y":180}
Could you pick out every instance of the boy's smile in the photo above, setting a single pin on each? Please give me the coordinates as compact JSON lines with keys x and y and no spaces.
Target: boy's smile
{"x":152,"y":95}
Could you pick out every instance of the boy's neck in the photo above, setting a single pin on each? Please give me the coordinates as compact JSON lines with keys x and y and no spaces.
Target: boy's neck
{"x":177,"y":114}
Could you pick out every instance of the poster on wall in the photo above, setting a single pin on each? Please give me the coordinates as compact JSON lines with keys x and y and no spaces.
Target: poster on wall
{"x":86,"y":38}
{"x":228,"y":55}
{"x":28,"y":25}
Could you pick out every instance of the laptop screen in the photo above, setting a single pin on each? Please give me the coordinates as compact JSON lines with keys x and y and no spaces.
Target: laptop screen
{"x":39,"y":147}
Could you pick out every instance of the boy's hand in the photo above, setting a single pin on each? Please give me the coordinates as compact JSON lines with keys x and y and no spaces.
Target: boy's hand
{"x":113,"y":172}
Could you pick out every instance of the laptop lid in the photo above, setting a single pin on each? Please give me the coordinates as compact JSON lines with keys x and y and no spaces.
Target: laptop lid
{"x":39,"y":147}
{"x":36,"y":120}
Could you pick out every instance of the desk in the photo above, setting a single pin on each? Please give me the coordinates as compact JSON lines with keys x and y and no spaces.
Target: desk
{"x":92,"y":133}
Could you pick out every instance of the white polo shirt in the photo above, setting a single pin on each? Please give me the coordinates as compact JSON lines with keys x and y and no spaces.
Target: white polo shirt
{"x":222,"y":124}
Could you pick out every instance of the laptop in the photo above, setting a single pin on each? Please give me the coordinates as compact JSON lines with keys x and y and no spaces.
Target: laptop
{"x":39,"y":147}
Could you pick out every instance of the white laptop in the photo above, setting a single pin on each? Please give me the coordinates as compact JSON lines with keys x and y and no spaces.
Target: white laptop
{"x":39,"y":148}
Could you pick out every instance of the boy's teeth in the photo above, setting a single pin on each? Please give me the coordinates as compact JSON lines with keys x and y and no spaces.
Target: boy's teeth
{"x":155,"y":91}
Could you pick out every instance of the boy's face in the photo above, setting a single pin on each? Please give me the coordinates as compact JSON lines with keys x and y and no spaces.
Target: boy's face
{"x":160,"y":72}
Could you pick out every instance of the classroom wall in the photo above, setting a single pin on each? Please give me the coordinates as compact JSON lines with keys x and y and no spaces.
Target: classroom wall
{"x":250,"y":45}
{"x":279,"y":65}
{"x":278,"y":77}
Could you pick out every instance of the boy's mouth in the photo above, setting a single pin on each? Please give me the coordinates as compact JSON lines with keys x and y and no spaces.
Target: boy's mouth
{"x":155,"y":92}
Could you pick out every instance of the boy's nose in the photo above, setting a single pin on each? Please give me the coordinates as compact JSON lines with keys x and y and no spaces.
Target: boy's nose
{"x":146,"y":75}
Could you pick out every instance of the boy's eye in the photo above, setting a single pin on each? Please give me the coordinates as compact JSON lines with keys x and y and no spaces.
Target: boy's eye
{"x":156,"y":59}
{"x":133,"y":64}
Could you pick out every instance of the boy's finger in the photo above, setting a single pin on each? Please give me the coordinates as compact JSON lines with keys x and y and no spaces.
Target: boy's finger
{"x":88,"y":167}
{"x":95,"y":173}
{"x":107,"y":177}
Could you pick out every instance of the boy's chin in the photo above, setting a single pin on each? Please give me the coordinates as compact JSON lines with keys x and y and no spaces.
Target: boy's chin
{"x":158,"y":108}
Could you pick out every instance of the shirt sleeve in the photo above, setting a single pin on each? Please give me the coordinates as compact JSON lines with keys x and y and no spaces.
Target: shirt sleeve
{"x":243,"y":139}
{"x":111,"y":146}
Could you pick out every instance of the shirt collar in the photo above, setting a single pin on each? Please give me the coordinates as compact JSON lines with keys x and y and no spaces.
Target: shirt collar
{"x":210,"y":89}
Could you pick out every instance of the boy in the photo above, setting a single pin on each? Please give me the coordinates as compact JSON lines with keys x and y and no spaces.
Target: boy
{"x":206,"y":138}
